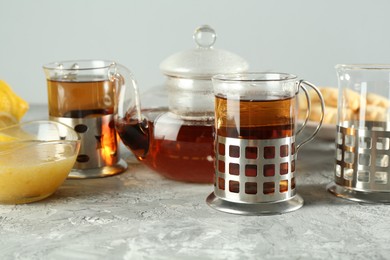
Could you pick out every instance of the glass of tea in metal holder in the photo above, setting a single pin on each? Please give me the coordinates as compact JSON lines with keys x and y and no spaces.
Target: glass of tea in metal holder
{"x":362,"y":168}
{"x":255,"y":146}
{"x":85,"y":95}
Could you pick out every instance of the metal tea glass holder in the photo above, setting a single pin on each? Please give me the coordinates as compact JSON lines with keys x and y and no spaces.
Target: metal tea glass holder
{"x":362,"y":169}
{"x":96,"y":158}
{"x":249,"y":184}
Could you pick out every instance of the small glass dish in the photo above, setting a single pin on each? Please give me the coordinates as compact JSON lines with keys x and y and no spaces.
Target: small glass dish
{"x":35,"y":159}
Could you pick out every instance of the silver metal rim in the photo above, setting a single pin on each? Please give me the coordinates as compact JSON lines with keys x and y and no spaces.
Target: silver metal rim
{"x":266,"y":208}
{"x":100,"y":172}
{"x":359,"y":196}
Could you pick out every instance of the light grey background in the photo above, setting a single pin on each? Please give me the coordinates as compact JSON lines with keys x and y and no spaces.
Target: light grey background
{"x":303,"y":37}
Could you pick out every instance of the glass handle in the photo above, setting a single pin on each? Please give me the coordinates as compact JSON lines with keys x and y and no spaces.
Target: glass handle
{"x":318,"y":92}
{"x":127,"y":94}
{"x":308,"y":110}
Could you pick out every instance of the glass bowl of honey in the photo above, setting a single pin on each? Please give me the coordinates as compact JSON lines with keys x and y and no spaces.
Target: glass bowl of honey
{"x":35,"y":159}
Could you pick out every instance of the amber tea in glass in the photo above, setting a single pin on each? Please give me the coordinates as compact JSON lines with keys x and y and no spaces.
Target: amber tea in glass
{"x":256,"y":119}
{"x":81,"y":98}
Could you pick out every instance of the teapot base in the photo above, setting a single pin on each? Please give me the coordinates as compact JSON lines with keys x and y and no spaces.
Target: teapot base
{"x":200,"y":179}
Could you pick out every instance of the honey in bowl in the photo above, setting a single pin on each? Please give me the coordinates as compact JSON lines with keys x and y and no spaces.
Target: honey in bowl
{"x":32,"y":168}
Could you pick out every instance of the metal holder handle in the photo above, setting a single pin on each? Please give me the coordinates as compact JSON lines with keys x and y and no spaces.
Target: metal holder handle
{"x":318,"y":92}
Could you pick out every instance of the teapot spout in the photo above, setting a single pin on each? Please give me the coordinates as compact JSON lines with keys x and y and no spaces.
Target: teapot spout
{"x":134,"y":135}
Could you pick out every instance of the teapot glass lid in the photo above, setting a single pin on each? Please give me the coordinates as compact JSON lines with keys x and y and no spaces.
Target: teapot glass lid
{"x":204,"y":61}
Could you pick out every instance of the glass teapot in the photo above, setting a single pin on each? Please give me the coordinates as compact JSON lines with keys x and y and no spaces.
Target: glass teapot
{"x":177,"y":139}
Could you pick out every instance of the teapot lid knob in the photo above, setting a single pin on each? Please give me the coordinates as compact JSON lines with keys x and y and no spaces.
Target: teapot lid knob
{"x":204,"y":61}
{"x":205,"y":36}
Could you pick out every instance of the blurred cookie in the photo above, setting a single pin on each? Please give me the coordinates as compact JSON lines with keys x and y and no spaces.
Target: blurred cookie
{"x":376,"y":113}
{"x":377,"y":100}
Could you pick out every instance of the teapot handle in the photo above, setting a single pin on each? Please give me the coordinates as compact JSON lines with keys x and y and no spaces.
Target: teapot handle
{"x":127,"y":93}
{"x":129,"y":122}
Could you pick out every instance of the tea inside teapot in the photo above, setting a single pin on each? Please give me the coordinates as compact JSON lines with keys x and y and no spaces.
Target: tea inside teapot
{"x":178,"y":149}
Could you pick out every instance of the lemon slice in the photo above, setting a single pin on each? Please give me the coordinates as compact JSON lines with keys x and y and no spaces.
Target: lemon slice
{"x":7,"y":138}
{"x":10,"y":102}
{"x":6,"y":119}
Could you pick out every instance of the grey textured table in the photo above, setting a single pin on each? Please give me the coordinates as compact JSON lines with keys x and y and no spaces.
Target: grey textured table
{"x":141,"y":215}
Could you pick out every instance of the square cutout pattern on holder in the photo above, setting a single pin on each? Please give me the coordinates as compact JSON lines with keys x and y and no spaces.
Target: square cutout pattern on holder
{"x":372,"y":157}
{"x":268,"y":168}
